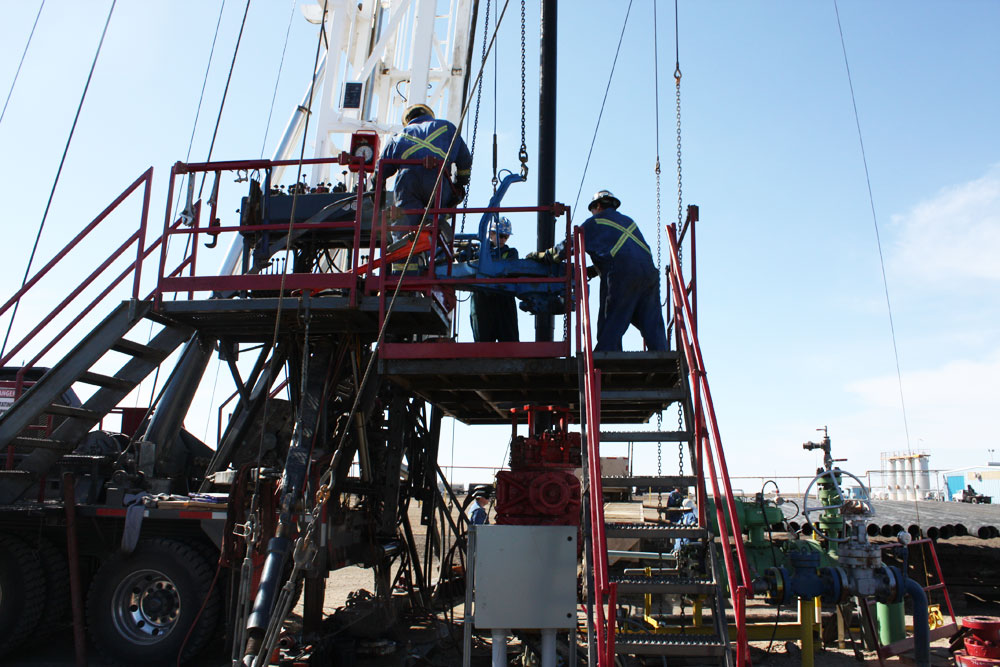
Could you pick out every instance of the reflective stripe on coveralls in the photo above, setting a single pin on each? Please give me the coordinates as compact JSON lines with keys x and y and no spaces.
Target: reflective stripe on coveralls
{"x":626,"y":235}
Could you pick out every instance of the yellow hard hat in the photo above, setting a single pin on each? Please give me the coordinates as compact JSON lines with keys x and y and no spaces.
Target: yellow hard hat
{"x":415,"y":111}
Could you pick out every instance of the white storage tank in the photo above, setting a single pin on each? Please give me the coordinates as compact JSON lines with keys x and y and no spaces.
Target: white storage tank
{"x":911,"y":490}
{"x":924,"y":474}
{"x":894,"y":478}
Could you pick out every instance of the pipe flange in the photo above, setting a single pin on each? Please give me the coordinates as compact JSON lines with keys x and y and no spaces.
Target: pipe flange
{"x":777,"y":590}
{"x":835,"y":582}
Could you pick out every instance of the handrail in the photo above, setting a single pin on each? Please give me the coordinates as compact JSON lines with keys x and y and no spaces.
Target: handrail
{"x":592,"y":416}
{"x":709,"y":448}
{"x":135,"y":268}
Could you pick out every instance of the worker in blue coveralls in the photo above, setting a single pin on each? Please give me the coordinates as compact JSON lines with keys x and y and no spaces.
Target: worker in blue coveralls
{"x":425,"y":136}
{"x":494,"y":316}
{"x":478,"y":515}
{"x":630,"y":283}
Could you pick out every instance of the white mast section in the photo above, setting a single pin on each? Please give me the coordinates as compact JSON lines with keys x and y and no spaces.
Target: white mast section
{"x":383,"y":56}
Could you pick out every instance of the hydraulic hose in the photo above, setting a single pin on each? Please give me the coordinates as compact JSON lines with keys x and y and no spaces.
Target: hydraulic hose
{"x":921,"y":630}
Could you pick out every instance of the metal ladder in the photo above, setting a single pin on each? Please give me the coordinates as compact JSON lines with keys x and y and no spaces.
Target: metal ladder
{"x":44,"y":396}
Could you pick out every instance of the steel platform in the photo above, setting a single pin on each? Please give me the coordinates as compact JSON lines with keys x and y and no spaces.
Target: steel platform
{"x":253,"y":319}
{"x":634,"y":385}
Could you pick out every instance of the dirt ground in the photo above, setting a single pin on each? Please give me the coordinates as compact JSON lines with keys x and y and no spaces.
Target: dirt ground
{"x":971,"y":569}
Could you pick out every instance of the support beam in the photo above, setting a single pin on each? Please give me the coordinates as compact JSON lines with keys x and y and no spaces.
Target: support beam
{"x":546,"y":145}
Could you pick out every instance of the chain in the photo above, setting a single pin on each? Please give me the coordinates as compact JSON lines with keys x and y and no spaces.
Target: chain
{"x":522,"y":155}
{"x":680,"y":445}
{"x":677,"y":85}
{"x":659,"y":467}
{"x":479,"y":96}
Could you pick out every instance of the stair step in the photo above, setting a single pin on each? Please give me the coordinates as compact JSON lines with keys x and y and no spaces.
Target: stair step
{"x":646,"y":436}
{"x":134,"y":349}
{"x":646,"y":481}
{"x":653,"y":530}
{"x":630,"y":395}
{"x":15,"y":474}
{"x":663,"y":584}
{"x":106,"y":381}
{"x":670,"y":645}
{"x":40,"y":443}
{"x":77,"y":413}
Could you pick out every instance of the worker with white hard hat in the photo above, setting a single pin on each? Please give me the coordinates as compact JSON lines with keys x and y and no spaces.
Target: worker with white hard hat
{"x":494,"y":316}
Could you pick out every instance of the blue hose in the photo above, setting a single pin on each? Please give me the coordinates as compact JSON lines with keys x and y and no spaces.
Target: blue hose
{"x":921,"y":629}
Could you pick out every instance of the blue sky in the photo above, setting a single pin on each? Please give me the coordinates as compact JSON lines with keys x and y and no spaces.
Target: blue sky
{"x":794,"y":323}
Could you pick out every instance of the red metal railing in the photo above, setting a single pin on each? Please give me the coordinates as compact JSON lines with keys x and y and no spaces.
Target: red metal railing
{"x":366,"y":275}
{"x":605,"y":593}
{"x":134,"y":268}
{"x":708,"y":446}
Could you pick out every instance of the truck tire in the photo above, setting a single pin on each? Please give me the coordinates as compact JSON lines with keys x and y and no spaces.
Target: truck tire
{"x":22,"y":592}
{"x":56,"y":568}
{"x":141,"y":606}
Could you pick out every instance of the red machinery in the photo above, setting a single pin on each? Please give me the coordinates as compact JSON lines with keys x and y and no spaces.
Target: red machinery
{"x":541,"y":487}
{"x":982,"y":643}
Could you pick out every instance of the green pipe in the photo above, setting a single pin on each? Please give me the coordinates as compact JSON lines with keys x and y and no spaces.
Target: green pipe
{"x":891,"y":622}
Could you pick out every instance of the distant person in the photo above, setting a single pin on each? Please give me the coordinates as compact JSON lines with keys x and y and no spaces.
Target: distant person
{"x":494,"y":316}
{"x":689,"y":518}
{"x":675,"y":498}
{"x":630,"y":282}
{"x":478,"y":512}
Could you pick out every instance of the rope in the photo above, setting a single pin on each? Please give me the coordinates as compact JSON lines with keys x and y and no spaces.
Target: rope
{"x":479,"y":97}
{"x":225,"y":92}
{"x":55,"y":183}
{"x":601,"y":113}
{"x":288,"y":31}
{"x":656,"y":101}
{"x":327,"y":475}
{"x":878,"y":241}
{"x":291,"y":223}
{"x":25,"y":53}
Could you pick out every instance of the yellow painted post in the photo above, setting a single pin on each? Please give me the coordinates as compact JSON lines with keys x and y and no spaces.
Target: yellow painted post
{"x":807,"y":619}
{"x":696,"y":612}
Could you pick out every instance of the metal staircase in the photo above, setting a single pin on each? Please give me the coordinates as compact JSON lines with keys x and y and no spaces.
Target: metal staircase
{"x":44,"y":397}
{"x":667,"y":574}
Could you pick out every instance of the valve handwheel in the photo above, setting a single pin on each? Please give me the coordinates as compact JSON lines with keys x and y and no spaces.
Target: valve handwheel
{"x":858,"y":507}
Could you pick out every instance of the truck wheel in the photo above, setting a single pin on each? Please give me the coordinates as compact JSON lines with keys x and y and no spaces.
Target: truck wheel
{"x":56,"y":569}
{"x":142,"y":606}
{"x":22,"y":592}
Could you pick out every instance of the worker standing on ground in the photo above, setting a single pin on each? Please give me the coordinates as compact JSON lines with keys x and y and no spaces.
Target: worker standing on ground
{"x":478,"y":515}
{"x":630,"y":283}
{"x":425,"y":136}
{"x":494,"y":316}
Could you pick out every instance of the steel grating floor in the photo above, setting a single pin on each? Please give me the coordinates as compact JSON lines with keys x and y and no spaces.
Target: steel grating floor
{"x":634,"y":385}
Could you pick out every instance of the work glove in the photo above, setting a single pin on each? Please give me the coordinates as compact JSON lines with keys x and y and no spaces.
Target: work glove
{"x":592,"y":272}
{"x":543,"y":256}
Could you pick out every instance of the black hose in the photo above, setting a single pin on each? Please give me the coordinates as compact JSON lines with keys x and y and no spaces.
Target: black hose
{"x":921,"y":630}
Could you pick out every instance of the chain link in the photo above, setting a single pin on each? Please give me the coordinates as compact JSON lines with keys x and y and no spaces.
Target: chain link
{"x":680,"y":445}
{"x":659,"y":467}
{"x":475,"y":123}
{"x":680,"y":179}
{"x":522,"y":155}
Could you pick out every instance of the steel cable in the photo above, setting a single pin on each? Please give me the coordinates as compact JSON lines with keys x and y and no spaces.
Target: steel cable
{"x":878,"y":241}
{"x":21,"y":62}
{"x":611,"y":77}
{"x":55,"y":183}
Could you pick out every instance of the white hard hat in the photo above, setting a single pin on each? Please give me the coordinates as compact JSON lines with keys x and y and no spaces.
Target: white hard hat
{"x":688,"y":504}
{"x":605,"y":198}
